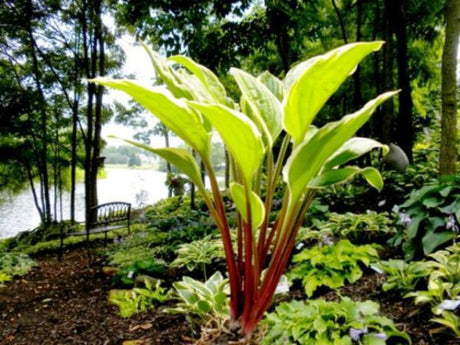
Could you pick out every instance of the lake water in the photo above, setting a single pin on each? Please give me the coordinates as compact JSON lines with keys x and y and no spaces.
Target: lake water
{"x":139,"y":187}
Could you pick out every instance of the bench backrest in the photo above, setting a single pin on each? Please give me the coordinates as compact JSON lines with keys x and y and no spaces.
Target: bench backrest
{"x":110,"y":212}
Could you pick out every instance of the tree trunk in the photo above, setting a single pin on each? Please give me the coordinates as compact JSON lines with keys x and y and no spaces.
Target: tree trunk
{"x":388,"y":107}
{"x":404,"y":128}
{"x":448,"y":154}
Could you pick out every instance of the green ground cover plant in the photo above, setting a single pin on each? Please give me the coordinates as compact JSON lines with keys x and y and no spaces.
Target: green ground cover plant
{"x":15,"y":265}
{"x":193,"y":103}
{"x":431,"y":215}
{"x":199,"y":254}
{"x":318,"y":321}
{"x":139,"y":299}
{"x":331,"y":265}
{"x":204,"y":301}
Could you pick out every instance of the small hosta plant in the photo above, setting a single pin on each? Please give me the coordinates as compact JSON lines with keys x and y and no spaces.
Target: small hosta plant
{"x":331,"y":265}
{"x":198,"y":254}
{"x":404,"y":276}
{"x":13,"y":264}
{"x":139,"y":299}
{"x":330,"y":323}
{"x":202,"y":300}
{"x":193,"y":104}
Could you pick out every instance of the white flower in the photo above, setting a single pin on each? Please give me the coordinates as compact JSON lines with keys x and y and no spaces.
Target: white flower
{"x":404,"y":219}
{"x":452,"y":224}
{"x":356,"y":334}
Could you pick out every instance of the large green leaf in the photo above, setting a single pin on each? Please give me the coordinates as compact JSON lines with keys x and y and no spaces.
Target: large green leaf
{"x":173,"y":113}
{"x":239,"y":134}
{"x":275,"y":85}
{"x":264,"y":104}
{"x":345,"y":174}
{"x":308,"y":158}
{"x":318,"y":80}
{"x":352,"y":149}
{"x":257,"y":208}
{"x":432,"y":240}
{"x":331,"y":177}
{"x":209,"y":79}
{"x":165,"y":73}
{"x":180,"y":158}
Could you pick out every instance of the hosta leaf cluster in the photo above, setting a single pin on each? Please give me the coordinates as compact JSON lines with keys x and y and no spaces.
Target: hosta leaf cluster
{"x":332,"y":265}
{"x":330,"y":323}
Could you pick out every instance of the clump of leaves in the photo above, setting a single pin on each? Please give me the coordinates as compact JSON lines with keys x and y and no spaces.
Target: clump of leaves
{"x":15,"y":265}
{"x":331,"y":265}
{"x":199,"y":253}
{"x":404,"y":276}
{"x":150,"y":266}
{"x":432,"y":217}
{"x":193,"y":103}
{"x":330,"y":323}
{"x":139,"y":299}
{"x":202,"y":300}
{"x":443,"y":291}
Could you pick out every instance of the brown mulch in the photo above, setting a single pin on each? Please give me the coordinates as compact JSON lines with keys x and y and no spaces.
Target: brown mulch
{"x":65,"y":302}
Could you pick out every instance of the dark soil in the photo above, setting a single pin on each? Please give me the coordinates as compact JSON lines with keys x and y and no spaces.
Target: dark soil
{"x":65,"y":302}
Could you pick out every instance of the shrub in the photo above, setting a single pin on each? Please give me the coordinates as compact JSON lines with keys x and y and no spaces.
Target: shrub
{"x":15,"y":265}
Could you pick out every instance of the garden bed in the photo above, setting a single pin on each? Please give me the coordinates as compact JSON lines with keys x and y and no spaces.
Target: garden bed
{"x":65,"y":302}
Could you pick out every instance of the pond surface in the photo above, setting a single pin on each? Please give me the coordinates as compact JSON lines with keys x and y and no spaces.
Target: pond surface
{"x":139,"y":187}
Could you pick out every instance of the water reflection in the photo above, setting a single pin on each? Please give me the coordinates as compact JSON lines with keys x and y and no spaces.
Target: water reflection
{"x":139,"y":187}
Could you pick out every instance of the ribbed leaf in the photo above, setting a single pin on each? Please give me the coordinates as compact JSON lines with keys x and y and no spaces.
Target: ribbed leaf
{"x":209,"y":79}
{"x":352,"y":149}
{"x":333,"y":177}
{"x":263,"y":102}
{"x":308,"y":158}
{"x":167,"y":75}
{"x":239,"y":135}
{"x":180,"y":158}
{"x":318,"y":80}
{"x":173,"y":113}
{"x":275,"y":85}
{"x":256,"y":205}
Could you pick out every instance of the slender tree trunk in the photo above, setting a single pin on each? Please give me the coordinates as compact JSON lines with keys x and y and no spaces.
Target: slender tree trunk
{"x":404,"y":128}
{"x":388,"y":107}
{"x":73,"y":163}
{"x":43,"y":117}
{"x":448,"y":154}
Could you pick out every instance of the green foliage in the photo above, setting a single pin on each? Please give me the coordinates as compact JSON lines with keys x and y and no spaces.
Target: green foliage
{"x":15,"y":265}
{"x":429,"y":209}
{"x":129,"y":272}
{"x":404,"y":276}
{"x":203,"y":300}
{"x":4,"y":278}
{"x":139,"y":299}
{"x":196,"y":103}
{"x":443,"y":287}
{"x":331,"y":265}
{"x":335,"y":323}
{"x":199,"y":253}
{"x":363,"y":227}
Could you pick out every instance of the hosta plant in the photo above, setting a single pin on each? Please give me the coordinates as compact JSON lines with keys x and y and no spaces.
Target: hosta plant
{"x":139,"y":299}
{"x":198,"y":254}
{"x":331,"y":265}
{"x":331,"y":323}
{"x":202,"y":300}
{"x":404,"y":276}
{"x":193,"y":104}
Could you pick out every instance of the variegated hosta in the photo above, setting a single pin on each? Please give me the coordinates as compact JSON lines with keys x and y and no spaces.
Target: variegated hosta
{"x":194,"y":103}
